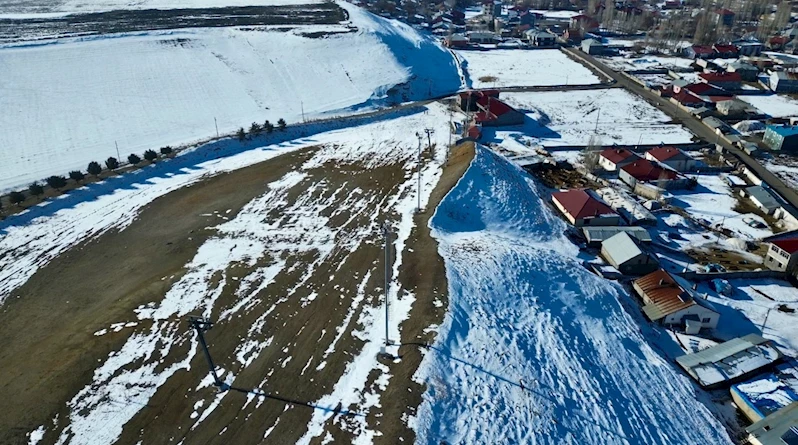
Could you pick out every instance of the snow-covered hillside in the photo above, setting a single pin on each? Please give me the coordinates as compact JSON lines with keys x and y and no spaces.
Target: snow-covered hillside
{"x":68,"y":102}
{"x":43,"y":8}
{"x":534,"y":348}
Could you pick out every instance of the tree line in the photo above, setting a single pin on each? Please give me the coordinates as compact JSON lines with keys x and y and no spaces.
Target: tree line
{"x":94,"y":168}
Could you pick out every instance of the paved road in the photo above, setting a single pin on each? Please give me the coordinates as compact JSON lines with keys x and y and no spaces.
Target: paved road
{"x":695,"y":125}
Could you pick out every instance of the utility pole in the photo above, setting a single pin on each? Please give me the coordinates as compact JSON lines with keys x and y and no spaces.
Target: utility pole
{"x":429,"y":132}
{"x":720,"y":229}
{"x":386,"y":237}
{"x":302,"y":105}
{"x":215,"y":124}
{"x":201,"y":325}
{"x":765,"y":322}
{"x":595,"y":131}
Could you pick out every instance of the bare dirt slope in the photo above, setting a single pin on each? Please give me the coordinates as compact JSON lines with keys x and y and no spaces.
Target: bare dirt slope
{"x":289,"y":312}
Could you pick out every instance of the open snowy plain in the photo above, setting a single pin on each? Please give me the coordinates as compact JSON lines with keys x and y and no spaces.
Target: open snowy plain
{"x":71,"y":101}
{"x":514,"y":68}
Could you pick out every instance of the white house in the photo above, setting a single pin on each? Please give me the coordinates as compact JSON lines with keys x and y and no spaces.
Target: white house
{"x":673,"y":158}
{"x":668,"y":300}
{"x":612,"y":159}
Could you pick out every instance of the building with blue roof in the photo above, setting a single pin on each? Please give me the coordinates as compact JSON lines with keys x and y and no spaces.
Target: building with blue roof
{"x":781,"y":137}
{"x":762,"y":396}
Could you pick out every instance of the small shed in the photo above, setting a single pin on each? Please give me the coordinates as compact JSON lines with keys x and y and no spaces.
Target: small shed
{"x":623,"y":252}
{"x":761,"y":198}
{"x":626,"y":206}
{"x":593,"y":47}
{"x":596,"y":235}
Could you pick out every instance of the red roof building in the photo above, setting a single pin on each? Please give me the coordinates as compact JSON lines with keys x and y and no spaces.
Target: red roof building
{"x":688,"y":99}
{"x":613,"y":158}
{"x":788,"y":245}
{"x":644,"y":171}
{"x":782,"y":254}
{"x":582,"y":207}
{"x":664,"y":153}
{"x":726,"y":50}
{"x":672,"y":157}
{"x":495,"y":113}
{"x":720,"y":78}
{"x":469,"y":100}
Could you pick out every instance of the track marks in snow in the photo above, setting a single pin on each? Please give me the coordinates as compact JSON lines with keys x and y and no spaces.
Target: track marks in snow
{"x":534,"y":348}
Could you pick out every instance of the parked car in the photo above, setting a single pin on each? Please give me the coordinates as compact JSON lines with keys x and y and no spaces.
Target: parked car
{"x":754,"y":223}
{"x":714,"y":267}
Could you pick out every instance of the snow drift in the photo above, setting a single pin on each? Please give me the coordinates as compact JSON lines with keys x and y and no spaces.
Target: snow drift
{"x":70,"y":101}
{"x":534,"y":349}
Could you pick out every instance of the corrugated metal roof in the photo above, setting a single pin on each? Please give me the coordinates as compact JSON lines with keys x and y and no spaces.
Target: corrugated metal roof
{"x":598,"y":234}
{"x":625,"y":205}
{"x":763,"y":196}
{"x":719,"y":352}
{"x":664,"y":294}
{"x":620,"y":248}
{"x":773,"y":428}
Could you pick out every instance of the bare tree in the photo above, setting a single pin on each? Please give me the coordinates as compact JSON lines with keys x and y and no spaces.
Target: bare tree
{"x":590,"y":155}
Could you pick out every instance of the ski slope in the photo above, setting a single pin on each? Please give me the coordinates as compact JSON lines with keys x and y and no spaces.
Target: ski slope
{"x":535,"y":349}
{"x":72,"y":101}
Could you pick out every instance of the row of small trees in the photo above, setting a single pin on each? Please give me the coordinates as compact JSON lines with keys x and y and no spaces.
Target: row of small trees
{"x":94,"y":168}
{"x":256,"y":129}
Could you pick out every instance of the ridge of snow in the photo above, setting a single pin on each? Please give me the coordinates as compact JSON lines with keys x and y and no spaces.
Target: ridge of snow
{"x":534,"y":348}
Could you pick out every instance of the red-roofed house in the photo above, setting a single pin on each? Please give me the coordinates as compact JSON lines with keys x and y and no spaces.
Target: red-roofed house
{"x":778,"y":42}
{"x":729,"y":81}
{"x":495,"y":113}
{"x":645,"y":171}
{"x":725,"y":17}
{"x":469,"y":100}
{"x":687,"y":98}
{"x":783,"y":253}
{"x":699,"y":52}
{"x":702,"y":89}
{"x":612,"y":159}
{"x":673,"y":158}
{"x":582,"y":207}
{"x":726,"y":51}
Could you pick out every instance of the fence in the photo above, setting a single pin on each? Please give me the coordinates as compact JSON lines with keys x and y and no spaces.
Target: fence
{"x":742,"y":274}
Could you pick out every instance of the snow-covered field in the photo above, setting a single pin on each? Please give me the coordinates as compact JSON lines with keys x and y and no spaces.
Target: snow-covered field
{"x":70,"y":101}
{"x":251,"y":237}
{"x":751,"y":302}
{"x":712,"y":201}
{"x":44,"y":8}
{"x":786,"y":168}
{"x":776,"y":105}
{"x":535,"y":349}
{"x":621,"y":63}
{"x":507,"y":67}
{"x":570,"y":118}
